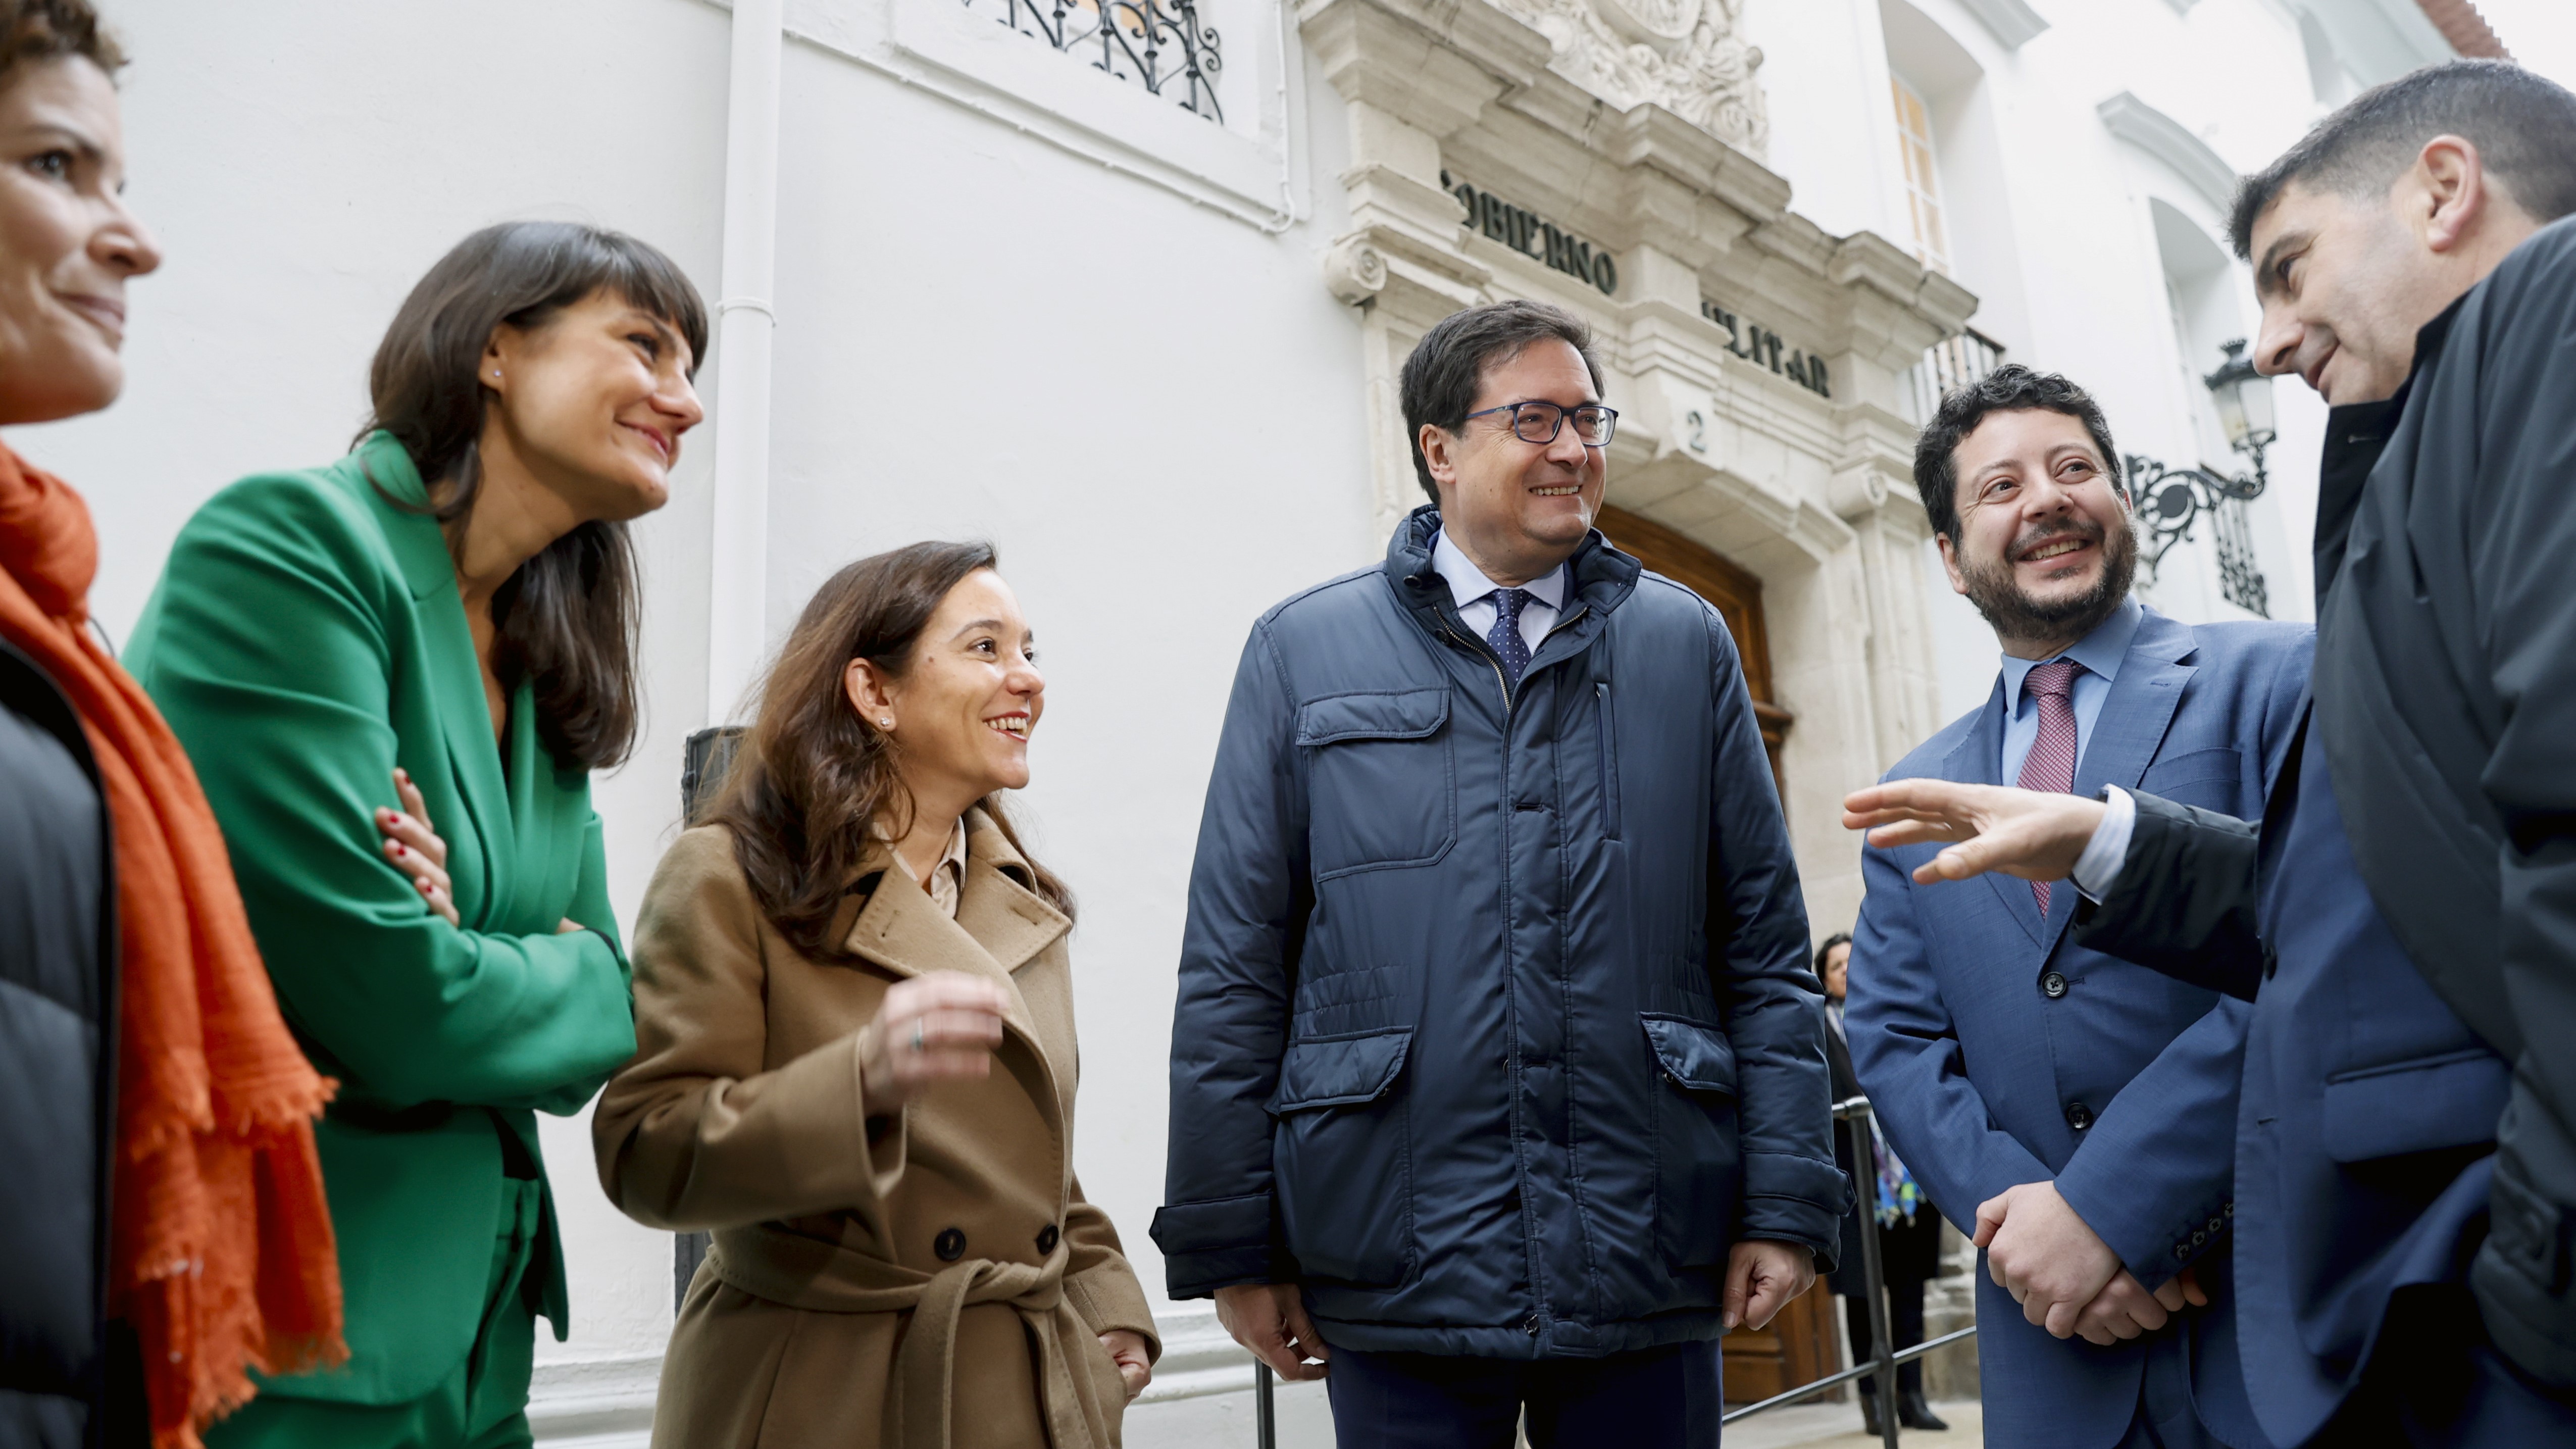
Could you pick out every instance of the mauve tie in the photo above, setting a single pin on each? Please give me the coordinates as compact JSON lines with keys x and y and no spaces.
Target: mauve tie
{"x":2050,"y":765}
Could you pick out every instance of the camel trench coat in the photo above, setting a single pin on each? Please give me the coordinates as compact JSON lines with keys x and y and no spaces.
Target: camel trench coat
{"x":926,"y":1277}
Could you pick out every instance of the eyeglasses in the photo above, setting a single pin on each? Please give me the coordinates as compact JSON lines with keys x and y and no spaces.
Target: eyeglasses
{"x":1540,"y":422}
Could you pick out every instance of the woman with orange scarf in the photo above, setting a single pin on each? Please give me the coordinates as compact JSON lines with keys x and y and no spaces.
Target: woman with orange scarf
{"x":143,"y":1061}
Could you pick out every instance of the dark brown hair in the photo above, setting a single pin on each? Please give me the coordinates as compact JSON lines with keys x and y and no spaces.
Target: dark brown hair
{"x":1447,"y":368}
{"x":567,"y":619}
{"x":2008,"y":389}
{"x":813,"y":777}
{"x":2524,"y":126}
{"x":32,"y":31}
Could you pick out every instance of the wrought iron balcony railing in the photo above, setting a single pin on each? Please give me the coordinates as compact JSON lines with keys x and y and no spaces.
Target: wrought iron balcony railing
{"x":1159,"y":44}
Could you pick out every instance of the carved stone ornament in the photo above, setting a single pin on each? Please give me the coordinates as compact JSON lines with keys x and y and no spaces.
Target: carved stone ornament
{"x":1684,"y":55}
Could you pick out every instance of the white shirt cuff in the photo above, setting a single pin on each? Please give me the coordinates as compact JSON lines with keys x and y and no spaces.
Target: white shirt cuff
{"x":2108,"y":850}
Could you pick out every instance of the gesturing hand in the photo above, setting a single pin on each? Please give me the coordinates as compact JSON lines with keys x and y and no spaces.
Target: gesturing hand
{"x":1270,"y":1320}
{"x":2034,"y":834}
{"x":1762,"y":1276}
{"x":416,"y":849}
{"x":942,"y":1026}
{"x":2053,"y":1264}
{"x":1135,"y":1365}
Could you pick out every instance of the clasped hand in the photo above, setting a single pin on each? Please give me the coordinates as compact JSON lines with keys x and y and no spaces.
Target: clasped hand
{"x":2066,"y":1279}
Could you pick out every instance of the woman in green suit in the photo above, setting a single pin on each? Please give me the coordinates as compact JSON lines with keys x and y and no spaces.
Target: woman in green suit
{"x":440,"y":627}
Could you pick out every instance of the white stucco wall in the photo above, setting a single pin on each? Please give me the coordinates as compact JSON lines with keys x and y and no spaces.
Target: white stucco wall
{"x":1151,"y":406}
{"x":990,"y":325}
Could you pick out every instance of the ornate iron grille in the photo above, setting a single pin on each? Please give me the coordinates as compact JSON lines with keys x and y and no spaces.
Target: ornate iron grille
{"x":1155,"y":43}
{"x":2238,"y":576}
{"x":2170,"y":500}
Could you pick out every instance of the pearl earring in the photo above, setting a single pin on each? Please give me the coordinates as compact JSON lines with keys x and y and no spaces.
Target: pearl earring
{"x":885,"y":722}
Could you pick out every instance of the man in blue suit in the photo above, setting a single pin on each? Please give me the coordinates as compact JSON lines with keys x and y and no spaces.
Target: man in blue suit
{"x":2401,"y":916}
{"x":2078,"y":1110}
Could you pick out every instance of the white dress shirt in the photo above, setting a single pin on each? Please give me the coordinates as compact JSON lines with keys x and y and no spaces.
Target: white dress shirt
{"x":1474,"y":593}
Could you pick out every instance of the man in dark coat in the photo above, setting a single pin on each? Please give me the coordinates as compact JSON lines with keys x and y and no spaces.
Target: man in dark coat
{"x":2404,"y":916}
{"x":1498,"y":1070}
{"x":57,"y":1070}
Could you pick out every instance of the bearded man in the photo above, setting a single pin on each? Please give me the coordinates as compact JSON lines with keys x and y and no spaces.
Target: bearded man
{"x":2074,"y":1112}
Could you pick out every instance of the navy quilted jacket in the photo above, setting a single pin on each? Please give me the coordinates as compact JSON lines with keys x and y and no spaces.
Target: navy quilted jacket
{"x":1495,"y":1025}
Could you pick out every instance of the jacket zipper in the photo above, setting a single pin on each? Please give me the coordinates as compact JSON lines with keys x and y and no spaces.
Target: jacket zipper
{"x":1486,"y":654}
{"x":1609,"y":763}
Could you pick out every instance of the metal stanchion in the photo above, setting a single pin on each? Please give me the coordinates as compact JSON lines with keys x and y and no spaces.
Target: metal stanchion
{"x":1265,"y":1407}
{"x":1882,"y":1365}
{"x":1855,"y":1115}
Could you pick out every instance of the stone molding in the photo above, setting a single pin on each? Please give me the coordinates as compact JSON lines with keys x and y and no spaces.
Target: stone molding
{"x":2163,"y":137}
{"x":1687,"y":56}
{"x":2012,"y":22}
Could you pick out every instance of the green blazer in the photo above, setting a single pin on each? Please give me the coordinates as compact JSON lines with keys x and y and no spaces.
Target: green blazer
{"x":305,"y":639}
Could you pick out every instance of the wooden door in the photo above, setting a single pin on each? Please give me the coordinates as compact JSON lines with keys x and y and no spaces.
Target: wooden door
{"x":1735,"y":593}
{"x":1802,"y":1344}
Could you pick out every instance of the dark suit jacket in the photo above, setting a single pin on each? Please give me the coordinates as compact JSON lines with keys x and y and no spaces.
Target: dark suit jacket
{"x":1999,"y":1053}
{"x":2446,"y":699}
{"x":2366,"y":1128}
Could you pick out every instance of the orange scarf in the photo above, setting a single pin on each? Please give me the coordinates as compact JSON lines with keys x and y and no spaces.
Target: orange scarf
{"x":221,"y":1254}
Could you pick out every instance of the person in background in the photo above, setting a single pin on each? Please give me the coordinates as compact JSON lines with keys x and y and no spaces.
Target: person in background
{"x":2403,"y":914}
{"x":1909,"y":1231}
{"x":132,"y":1001}
{"x":1498,"y":1078}
{"x":396,"y":673}
{"x":2071,"y":1110}
{"x":827,"y":976}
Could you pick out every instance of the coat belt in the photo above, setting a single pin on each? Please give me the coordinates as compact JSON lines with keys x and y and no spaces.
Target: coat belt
{"x":925,"y":1368}
{"x":802,"y":1272}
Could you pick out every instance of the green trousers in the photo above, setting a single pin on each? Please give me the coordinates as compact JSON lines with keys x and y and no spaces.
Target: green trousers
{"x":482,"y":1405}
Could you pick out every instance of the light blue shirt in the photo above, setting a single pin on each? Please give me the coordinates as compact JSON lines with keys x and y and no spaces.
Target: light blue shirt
{"x":2097,"y":656}
{"x":1474,"y":595}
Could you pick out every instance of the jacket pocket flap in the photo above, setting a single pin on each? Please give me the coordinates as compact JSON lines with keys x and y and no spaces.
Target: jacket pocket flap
{"x":1340,"y":1071}
{"x":1404,"y":714}
{"x":1697,"y":1057}
{"x":2452,"y":1100}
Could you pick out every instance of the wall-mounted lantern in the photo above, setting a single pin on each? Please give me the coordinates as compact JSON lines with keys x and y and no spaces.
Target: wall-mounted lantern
{"x":2170,"y":500}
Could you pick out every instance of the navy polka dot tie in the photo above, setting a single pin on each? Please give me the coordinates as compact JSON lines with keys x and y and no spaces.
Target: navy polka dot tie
{"x":1505,"y":636}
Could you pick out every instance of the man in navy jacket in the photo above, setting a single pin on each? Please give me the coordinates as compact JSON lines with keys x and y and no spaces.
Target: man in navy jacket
{"x":2401,"y":918}
{"x":1498,"y":1072}
{"x":2072,"y":1111}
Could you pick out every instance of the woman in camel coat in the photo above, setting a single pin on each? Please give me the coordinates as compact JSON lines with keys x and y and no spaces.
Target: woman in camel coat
{"x":854,"y":1011}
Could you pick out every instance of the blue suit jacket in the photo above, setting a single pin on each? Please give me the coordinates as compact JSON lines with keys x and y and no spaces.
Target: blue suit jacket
{"x":2365,"y":1140}
{"x":1977,"y":1072}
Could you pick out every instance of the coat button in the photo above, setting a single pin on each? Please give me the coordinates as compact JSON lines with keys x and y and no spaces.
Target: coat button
{"x":2052,"y":985}
{"x":1530,"y":1325}
{"x":2217,"y":1226}
{"x":2199,"y":1238}
{"x":2078,"y":1116}
{"x":950,"y":1245}
{"x":1047,"y":1238}
{"x":2182,"y":1251}
{"x":2227,"y":1210}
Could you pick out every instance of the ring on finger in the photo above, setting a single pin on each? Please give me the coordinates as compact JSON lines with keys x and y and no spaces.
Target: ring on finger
{"x":916,"y":1034}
